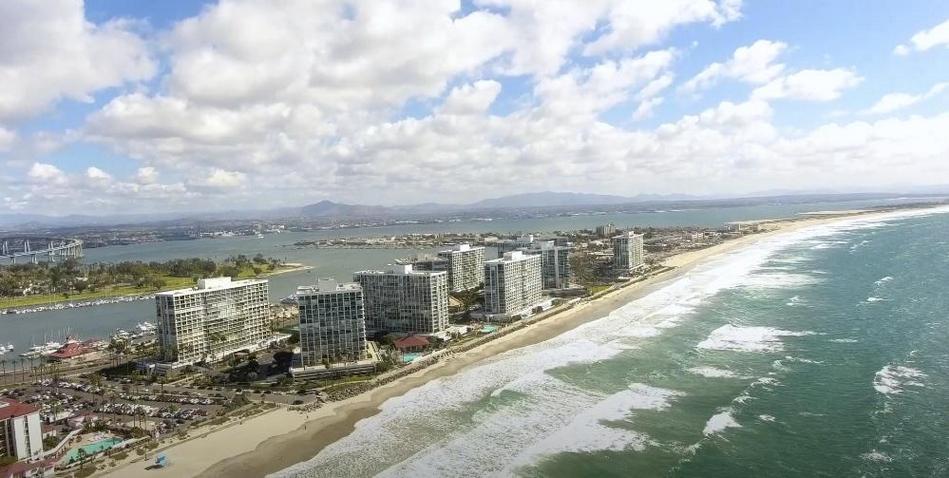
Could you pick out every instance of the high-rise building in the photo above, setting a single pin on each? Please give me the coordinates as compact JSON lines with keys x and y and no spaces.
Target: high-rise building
{"x":555,"y":265}
{"x":332,"y":323}
{"x":521,"y":242}
{"x":212,"y":320}
{"x":405,"y":300}
{"x":465,"y":267}
{"x":512,"y":284}
{"x":628,"y":253}
{"x":20,"y":434}
{"x":606,"y":230}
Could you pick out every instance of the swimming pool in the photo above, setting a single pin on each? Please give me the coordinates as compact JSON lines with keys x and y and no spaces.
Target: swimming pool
{"x":91,"y":449}
{"x":406,"y":358}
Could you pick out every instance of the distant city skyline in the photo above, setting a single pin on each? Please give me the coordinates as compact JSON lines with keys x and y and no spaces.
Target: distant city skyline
{"x":128,"y":107}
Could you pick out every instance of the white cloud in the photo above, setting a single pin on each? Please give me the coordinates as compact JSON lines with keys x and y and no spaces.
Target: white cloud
{"x":96,"y":174}
{"x":46,"y":173}
{"x":471,"y":99}
{"x":49,"y":51}
{"x":754,"y":64}
{"x":896,"y":101}
{"x":316,"y":109}
{"x":220,"y":178}
{"x":926,"y":39}
{"x":810,"y":85}
{"x":635,"y":24}
{"x":146,"y":175}
{"x":7,"y":138}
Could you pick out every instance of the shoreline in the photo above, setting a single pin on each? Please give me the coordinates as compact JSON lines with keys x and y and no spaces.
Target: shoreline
{"x":116,"y":299}
{"x":283,"y":438}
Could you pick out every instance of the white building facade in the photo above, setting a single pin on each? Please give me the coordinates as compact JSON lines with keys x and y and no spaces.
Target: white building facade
{"x":555,"y":265}
{"x":212,"y":320}
{"x":628,"y":254}
{"x":405,"y":300}
{"x":512,"y":284}
{"x":465,"y":267}
{"x":21,"y":435}
{"x":332,"y":323}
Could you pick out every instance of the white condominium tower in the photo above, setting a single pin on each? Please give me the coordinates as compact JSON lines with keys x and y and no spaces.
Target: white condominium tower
{"x":465,"y":267}
{"x":405,"y":300}
{"x":332,"y":323}
{"x":212,"y":320}
{"x":628,"y":252}
{"x":512,"y":283}
{"x":555,"y":264}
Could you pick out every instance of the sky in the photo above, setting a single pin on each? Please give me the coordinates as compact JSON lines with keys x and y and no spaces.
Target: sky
{"x":112,"y":106}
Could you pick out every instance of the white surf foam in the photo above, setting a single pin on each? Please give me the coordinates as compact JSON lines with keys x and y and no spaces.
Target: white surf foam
{"x":766,"y":418}
{"x":748,"y":339}
{"x":876,"y":456}
{"x":844,"y":341}
{"x":712,"y":372}
{"x":458,"y":426}
{"x":720,"y":422}
{"x":892,"y":379}
{"x":589,"y":431}
{"x":874,"y":299}
{"x":884,"y":280}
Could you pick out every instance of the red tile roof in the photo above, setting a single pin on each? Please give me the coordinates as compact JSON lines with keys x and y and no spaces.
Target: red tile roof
{"x":411,"y":341}
{"x":69,"y":350}
{"x":12,"y":408}
{"x":21,"y":467}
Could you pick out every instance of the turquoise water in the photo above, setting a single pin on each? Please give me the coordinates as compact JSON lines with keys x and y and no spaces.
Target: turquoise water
{"x":91,"y":449}
{"x":406,"y":358}
{"x":817,"y":353}
{"x":100,"y":321}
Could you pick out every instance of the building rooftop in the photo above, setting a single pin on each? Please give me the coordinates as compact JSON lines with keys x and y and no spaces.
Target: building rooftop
{"x":214,"y":283}
{"x":325,"y":286}
{"x":512,"y":256}
{"x":627,"y":234}
{"x":12,"y":409}
{"x":399,"y":269}
{"x":411,"y":341}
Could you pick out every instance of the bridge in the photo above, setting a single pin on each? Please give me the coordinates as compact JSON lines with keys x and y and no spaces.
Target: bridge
{"x":35,"y":249}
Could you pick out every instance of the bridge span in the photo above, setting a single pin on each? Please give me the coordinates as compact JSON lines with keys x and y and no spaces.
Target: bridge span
{"x":37,"y":248}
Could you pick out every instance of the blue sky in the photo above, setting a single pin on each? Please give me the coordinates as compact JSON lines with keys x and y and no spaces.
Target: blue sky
{"x":155,"y":105}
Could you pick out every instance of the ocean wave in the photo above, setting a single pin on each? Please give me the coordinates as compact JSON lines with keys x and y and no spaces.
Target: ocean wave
{"x":748,"y":339}
{"x":465,"y":425}
{"x":892,"y":379}
{"x":720,"y":422}
{"x":589,"y":430}
{"x":883,"y":280}
{"x":712,"y":372}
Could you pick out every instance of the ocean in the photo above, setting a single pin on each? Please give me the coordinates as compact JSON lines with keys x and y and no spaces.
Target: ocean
{"x":819,"y":352}
{"x":100,"y":321}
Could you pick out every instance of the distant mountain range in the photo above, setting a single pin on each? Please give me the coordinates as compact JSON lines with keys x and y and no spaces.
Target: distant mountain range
{"x":330,"y":210}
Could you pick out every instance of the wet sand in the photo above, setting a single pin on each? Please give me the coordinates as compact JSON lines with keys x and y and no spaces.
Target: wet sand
{"x":282,"y":438}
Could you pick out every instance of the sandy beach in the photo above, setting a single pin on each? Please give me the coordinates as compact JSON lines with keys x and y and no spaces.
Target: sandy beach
{"x":282,"y":438}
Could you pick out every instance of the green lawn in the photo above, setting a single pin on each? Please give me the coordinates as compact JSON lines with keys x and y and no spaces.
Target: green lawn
{"x":118,"y":290}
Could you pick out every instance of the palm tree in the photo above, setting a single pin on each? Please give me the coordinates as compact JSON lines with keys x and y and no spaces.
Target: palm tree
{"x":23,"y":367}
{"x":83,"y":454}
{"x":3,"y":367}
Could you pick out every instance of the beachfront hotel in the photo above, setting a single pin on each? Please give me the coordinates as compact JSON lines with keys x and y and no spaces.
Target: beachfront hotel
{"x":512,"y":284}
{"x":21,"y":436}
{"x":405,"y":300}
{"x":628,"y":253}
{"x":212,"y":320}
{"x":332,"y":323}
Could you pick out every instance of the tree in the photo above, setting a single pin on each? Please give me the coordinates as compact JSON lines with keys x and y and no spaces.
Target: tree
{"x":583,"y":268}
{"x":82,"y":454}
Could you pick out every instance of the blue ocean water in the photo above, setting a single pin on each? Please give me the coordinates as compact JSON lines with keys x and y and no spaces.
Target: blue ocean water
{"x":820,"y":352}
